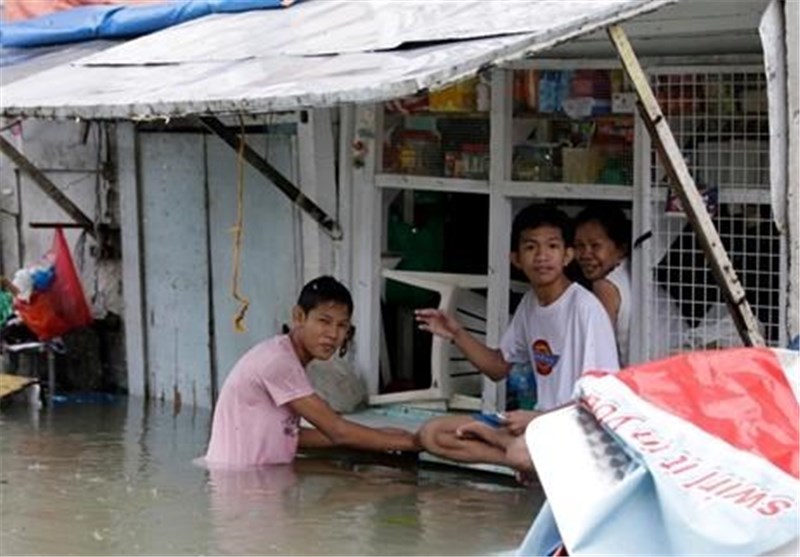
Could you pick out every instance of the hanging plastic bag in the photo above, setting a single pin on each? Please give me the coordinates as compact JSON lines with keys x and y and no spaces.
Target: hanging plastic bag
{"x":60,"y":306}
{"x":695,"y":454}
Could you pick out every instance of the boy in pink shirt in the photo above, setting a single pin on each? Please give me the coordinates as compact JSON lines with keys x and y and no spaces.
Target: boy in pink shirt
{"x":257,"y":415}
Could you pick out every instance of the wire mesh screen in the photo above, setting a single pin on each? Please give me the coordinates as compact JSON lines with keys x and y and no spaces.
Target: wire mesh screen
{"x":720,"y":122}
{"x":443,"y":133}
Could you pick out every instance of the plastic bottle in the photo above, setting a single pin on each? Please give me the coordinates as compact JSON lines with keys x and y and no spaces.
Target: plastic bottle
{"x":521,"y":387}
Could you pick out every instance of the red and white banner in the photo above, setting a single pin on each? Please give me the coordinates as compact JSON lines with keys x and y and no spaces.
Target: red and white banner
{"x":694,"y":454}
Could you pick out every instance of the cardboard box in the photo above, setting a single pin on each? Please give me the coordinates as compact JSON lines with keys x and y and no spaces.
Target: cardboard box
{"x":581,"y":165}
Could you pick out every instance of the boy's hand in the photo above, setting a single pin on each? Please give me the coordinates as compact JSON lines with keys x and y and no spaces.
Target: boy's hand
{"x":518,"y":420}
{"x":404,"y":440}
{"x":495,"y":436}
{"x":437,"y":322}
{"x":477,"y":430}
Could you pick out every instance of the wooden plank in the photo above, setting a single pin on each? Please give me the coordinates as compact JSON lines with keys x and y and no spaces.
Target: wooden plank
{"x":563,"y":190}
{"x":176,"y":279}
{"x":685,"y":187}
{"x":317,"y":172}
{"x":132,"y":260}
{"x":642,"y":274}
{"x":493,"y":393}
{"x":46,"y":185}
{"x":10,"y":384}
{"x":430,"y":183}
{"x":792,"y":14}
{"x":366,"y":285}
{"x":343,"y":254}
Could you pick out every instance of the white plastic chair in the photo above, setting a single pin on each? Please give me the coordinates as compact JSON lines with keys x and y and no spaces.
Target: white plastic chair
{"x":453,"y":378}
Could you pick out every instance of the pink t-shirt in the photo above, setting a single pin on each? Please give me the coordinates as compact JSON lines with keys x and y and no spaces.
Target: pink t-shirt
{"x":252,"y":424}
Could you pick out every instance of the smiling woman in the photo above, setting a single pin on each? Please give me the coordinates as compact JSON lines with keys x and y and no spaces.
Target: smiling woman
{"x":257,"y":417}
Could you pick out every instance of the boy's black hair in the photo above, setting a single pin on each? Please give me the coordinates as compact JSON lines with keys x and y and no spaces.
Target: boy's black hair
{"x":322,"y":290}
{"x":613,"y":220}
{"x":541,"y":214}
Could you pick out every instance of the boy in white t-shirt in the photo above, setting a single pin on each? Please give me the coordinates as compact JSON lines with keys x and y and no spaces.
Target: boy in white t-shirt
{"x":559,"y":327}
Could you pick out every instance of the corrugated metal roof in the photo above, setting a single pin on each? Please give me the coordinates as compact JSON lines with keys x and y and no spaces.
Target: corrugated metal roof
{"x":316,"y":54}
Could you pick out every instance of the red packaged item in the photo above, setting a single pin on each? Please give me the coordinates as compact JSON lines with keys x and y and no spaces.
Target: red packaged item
{"x":62,"y":307}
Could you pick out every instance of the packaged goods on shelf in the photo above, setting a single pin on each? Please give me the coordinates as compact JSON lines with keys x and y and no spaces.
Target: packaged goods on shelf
{"x":535,"y":163}
{"x":554,"y":87}
{"x":419,"y":153}
{"x":459,"y":97}
{"x":581,"y":165}
{"x":526,"y":90}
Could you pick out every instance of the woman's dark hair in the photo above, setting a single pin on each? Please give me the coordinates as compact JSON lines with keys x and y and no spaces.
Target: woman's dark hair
{"x":322,"y":290}
{"x":613,"y":220}
{"x":541,"y":214}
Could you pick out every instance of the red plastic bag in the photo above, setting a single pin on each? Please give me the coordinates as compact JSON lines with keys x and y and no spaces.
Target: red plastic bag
{"x":62,"y":307}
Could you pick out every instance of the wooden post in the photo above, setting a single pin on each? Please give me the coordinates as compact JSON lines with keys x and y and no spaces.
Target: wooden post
{"x":685,"y":187}
{"x":47,"y":186}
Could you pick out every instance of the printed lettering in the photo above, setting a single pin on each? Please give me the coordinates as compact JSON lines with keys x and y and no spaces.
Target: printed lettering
{"x":729,"y":488}
{"x":649,"y":441}
{"x":604,"y":410}
{"x":674,"y":466}
{"x":590,"y":400}
{"x":748,"y":497}
{"x":617,"y":422}
{"x":775,"y":506}
{"x":700,"y":480}
{"x":714,"y":486}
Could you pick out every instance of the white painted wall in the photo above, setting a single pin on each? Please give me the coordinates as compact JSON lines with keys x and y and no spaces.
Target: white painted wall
{"x":71,"y":155}
{"x":175,"y":265}
{"x":270,"y":273}
{"x":186,"y":258}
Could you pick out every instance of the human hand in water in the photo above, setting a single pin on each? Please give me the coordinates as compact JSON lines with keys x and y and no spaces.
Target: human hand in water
{"x":437,"y":322}
{"x":518,"y":420}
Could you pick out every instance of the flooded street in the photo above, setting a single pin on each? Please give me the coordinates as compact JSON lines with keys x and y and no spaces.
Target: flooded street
{"x":118,"y":479}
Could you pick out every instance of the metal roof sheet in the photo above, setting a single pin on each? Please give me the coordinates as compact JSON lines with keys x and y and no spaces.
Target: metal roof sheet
{"x":316,"y":54}
{"x":18,"y":63}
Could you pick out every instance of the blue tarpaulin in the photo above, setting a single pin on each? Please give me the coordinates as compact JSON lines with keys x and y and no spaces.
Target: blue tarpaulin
{"x":117,"y":21}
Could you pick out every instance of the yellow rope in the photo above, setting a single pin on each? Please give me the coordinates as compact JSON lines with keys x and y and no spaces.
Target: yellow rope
{"x":238,"y":230}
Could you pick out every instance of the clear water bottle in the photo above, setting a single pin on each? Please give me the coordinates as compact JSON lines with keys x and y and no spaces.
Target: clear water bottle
{"x":521,"y":387}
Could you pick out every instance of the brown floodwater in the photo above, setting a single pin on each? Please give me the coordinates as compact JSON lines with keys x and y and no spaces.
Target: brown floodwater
{"x":117,"y":478}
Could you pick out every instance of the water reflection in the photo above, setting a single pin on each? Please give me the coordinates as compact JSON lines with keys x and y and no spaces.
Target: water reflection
{"x":119,"y":479}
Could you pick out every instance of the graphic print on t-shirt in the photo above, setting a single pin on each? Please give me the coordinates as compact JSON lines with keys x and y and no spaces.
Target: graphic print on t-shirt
{"x":543,"y":357}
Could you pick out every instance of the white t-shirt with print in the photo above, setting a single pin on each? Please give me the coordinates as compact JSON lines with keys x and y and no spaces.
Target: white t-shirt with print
{"x":561,"y":340}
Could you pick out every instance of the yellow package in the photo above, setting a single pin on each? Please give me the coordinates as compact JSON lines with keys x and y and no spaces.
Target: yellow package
{"x":459,"y":97}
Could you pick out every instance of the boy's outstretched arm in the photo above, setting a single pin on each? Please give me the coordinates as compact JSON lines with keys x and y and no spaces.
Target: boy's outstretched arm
{"x":333,"y":430}
{"x":490,"y":361}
